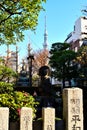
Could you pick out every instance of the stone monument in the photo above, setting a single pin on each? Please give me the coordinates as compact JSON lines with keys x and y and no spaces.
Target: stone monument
{"x":4,"y":118}
{"x":26,"y":118}
{"x":73,"y":108}
{"x":48,"y":115}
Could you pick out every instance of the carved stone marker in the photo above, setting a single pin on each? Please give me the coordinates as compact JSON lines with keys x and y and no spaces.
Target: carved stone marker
{"x":48,"y":115}
{"x":4,"y":118}
{"x":26,"y":119}
{"x":73,"y":108}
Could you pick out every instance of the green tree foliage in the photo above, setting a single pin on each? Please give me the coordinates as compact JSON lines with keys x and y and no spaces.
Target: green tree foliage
{"x":17,"y":16}
{"x":62,"y":62}
{"x":82,"y":61}
{"x":82,"y":55}
{"x":6,"y":87}
{"x":6,"y":73}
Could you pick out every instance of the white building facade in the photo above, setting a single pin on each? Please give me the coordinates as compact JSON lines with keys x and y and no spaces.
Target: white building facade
{"x":79,"y":35}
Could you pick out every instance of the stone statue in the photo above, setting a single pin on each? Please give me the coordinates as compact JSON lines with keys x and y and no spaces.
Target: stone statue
{"x":46,"y":86}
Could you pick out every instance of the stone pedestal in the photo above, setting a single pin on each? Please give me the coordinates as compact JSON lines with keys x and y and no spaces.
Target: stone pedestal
{"x":26,"y":119}
{"x":73,"y":108}
{"x":38,"y":125}
{"x":48,"y":115}
{"x":4,"y":118}
{"x":14,"y":125}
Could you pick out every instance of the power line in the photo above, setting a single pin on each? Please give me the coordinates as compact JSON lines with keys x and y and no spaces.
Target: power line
{"x":32,"y":41}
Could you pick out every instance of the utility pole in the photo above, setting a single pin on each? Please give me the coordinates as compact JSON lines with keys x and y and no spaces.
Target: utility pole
{"x":7,"y":59}
{"x":16,"y":59}
{"x":30,"y":58}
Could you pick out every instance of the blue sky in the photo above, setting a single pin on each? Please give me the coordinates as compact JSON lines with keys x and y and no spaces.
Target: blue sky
{"x":60,"y":16}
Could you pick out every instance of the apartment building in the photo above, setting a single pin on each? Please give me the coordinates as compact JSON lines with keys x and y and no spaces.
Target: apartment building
{"x":78,"y":36}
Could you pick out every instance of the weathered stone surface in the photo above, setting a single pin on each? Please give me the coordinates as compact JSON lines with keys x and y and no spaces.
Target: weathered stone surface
{"x":48,"y":115}
{"x":4,"y":118}
{"x":26,"y":119}
{"x":73,"y":108}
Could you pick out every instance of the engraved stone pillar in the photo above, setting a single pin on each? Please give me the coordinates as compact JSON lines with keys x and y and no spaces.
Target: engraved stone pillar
{"x":4,"y":118}
{"x":26,"y":119}
{"x":73,"y":108}
{"x":48,"y":115}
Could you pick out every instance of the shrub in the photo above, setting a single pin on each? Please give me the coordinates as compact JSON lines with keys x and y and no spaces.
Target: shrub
{"x":6,"y":87}
{"x":15,"y":101}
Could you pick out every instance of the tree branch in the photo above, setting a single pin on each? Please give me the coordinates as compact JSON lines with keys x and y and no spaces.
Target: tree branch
{"x":5,"y":19}
{"x":9,"y":12}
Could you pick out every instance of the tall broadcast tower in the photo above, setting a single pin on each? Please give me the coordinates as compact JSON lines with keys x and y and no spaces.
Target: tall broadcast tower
{"x":45,"y":44}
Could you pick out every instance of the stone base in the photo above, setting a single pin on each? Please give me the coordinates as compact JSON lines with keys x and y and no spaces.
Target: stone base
{"x":59,"y":125}
{"x":38,"y":125}
{"x":14,"y":126}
